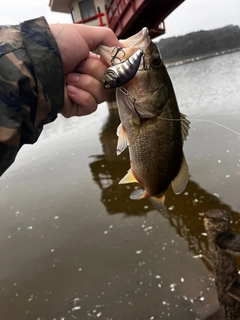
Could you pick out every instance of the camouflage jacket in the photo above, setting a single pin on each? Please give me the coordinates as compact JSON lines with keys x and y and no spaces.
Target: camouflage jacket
{"x":31,"y":85}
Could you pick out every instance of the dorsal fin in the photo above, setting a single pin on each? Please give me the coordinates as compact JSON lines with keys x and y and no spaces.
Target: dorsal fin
{"x":185,"y":125}
{"x":180,"y":181}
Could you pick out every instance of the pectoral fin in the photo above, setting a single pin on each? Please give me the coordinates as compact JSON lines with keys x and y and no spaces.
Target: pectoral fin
{"x":128,"y":178}
{"x":185,"y":125}
{"x":122,"y":139}
{"x":180,"y":181}
{"x":128,"y":115}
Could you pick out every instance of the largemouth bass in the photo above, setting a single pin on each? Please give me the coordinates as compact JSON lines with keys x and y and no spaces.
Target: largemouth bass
{"x":151,"y":124}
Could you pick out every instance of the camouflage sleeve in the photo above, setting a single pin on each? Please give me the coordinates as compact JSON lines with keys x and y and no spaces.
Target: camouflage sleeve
{"x":31,"y":85}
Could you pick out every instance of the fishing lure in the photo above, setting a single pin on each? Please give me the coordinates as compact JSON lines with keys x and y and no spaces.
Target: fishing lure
{"x":123,"y":72}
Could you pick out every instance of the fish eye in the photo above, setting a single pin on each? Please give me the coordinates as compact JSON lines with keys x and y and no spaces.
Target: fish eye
{"x":156,"y":61}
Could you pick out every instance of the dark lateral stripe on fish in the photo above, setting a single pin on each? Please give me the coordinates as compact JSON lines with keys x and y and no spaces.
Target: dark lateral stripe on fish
{"x":123,"y":72}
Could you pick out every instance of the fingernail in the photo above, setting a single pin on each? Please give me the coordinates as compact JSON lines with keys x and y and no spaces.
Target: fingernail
{"x":72,"y":77}
{"x":72,"y":89}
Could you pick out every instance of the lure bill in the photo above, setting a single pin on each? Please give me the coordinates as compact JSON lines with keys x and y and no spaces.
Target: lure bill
{"x":121,"y":73}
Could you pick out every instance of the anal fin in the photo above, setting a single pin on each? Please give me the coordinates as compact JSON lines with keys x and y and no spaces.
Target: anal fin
{"x":128,"y":178}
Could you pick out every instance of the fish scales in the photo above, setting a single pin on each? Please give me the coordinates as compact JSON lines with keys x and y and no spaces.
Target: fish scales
{"x":152,"y":126}
{"x":146,"y":163}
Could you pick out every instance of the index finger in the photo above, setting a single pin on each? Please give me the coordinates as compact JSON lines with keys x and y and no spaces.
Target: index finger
{"x":100,"y":35}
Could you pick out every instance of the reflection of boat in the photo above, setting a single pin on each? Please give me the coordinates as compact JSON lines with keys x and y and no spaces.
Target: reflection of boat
{"x":183,"y":210}
{"x":124,"y":17}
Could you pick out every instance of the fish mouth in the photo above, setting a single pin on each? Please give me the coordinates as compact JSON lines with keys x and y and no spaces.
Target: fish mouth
{"x":138,"y":41}
{"x":113,"y":55}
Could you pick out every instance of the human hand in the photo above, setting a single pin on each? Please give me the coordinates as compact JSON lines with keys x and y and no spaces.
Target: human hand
{"x":84,"y":87}
{"x":83,"y":69}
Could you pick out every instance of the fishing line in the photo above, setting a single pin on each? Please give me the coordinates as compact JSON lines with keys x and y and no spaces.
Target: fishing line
{"x":210,"y":121}
{"x":125,"y":91}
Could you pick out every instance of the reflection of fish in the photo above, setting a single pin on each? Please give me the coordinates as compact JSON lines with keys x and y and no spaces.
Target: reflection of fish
{"x":151,"y":124}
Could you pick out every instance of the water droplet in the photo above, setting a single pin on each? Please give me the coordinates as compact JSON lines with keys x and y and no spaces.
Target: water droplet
{"x":76,"y":308}
{"x":172,"y":286}
{"x":148,"y":228}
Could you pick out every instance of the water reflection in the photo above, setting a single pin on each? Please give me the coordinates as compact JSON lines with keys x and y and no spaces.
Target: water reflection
{"x":64,"y":257}
{"x":108,"y":169}
{"x":183,"y":210}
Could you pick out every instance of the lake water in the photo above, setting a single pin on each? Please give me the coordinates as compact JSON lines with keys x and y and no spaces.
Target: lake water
{"x":74,"y":246}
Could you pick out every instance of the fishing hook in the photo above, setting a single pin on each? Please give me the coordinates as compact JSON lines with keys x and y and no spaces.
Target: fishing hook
{"x":118,"y":49}
{"x":144,"y":65}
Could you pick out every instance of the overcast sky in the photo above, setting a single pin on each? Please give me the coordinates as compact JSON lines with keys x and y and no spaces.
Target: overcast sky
{"x":195,"y":15}
{"x":16,"y":11}
{"x":191,"y":15}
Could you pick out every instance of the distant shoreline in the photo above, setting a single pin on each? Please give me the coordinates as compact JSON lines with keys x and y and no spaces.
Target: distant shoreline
{"x":193,"y":59}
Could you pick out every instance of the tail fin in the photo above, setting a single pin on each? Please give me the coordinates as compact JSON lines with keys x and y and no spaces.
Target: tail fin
{"x":158,"y":202}
{"x":137,"y":194}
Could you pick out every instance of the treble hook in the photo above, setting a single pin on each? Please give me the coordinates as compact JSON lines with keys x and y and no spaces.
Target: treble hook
{"x":144,"y":65}
{"x":118,"y":49}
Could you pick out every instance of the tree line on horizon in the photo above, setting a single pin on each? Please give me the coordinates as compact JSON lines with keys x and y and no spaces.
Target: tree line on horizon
{"x":200,"y":43}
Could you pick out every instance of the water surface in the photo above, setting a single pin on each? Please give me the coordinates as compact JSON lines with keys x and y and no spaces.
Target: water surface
{"x":74,"y":246}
